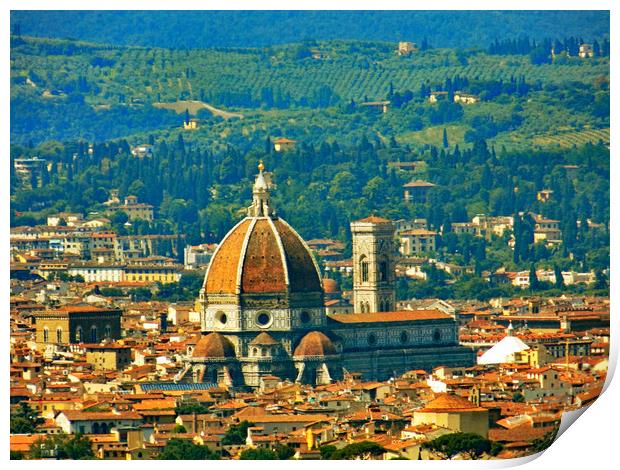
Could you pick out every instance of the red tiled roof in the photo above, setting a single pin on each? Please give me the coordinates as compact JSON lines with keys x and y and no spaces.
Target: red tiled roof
{"x":403,"y":315}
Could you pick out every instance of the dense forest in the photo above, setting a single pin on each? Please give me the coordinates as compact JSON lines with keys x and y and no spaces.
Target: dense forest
{"x":200,"y":29}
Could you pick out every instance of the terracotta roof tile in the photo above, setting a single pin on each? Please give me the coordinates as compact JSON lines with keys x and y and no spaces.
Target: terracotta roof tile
{"x":403,"y":315}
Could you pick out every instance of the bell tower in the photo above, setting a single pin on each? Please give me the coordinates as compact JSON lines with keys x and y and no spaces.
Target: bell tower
{"x":373,"y":265}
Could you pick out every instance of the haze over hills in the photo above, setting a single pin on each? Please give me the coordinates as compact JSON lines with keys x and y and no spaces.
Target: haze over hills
{"x":199,"y":29}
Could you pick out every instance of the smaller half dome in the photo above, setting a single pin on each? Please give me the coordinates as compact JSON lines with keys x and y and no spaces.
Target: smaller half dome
{"x":214,"y":346}
{"x":315,"y":344}
{"x":263,"y":339}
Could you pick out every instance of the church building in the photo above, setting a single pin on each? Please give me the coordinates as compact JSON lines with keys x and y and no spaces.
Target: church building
{"x":263,"y":310}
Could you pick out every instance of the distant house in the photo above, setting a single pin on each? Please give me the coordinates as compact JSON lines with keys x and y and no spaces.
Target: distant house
{"x":547,"y":230}
{"x":417,"y":191}
{"x":436,"y":96}
{"x":415,"y":242}
{"x":191,"y":125}
{"x":586,"y":51}
{"x":405,"y":166}
{"x":142,"y":150}
{"x":382,"y":106}
{"x":465,"y":98}
{"x":406,"y":47}
{"x":137,"y":211}
{"x":544,"y":195}
{"x":283,"y":144}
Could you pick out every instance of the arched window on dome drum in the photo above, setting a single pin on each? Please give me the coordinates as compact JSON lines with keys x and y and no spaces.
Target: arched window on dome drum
{"x":363,"y":269}
{"x":108,"y":331}
{"x":93,"y":334}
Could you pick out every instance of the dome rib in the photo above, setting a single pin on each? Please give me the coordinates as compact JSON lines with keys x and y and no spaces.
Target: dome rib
{"x":303,"y":271}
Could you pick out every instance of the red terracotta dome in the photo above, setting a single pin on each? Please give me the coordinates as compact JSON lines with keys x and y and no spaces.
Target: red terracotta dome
{"x":264,"y":339}
{"x":315,"y":343}
{"x":214,"y":346}
{"x":262,"y":255}
{"x":330,"y":286}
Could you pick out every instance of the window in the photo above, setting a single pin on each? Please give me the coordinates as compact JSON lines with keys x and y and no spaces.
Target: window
{"x":437,"y":336}
{"x":372,"y":338}
{"x":108,"y":331}
{"x":59,"y":335}
{"x":364,"y":269}
{"x":404,"y":337}
{"x":78,"y":334}
{"x":263,"y":319}
{"x":46,"y":335}
{"x":221,"y":317}
{"x":93,"y":334}
{"x":304,"y":317}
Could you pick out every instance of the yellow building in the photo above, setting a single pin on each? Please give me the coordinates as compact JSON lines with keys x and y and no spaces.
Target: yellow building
{"x":153,"y":273}
{"x":406,"y":47}
{"x":137,"y":211}
{"x":191,"y":125}
{"x":454,"y":413}
{"x":111,"y":356}
{"x":284,"y":144}
{"x":415,"y":242}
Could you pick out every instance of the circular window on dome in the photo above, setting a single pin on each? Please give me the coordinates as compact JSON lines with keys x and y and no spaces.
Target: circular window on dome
{"x":263,"y":319}
{"x":437,"y":336}
{"x":404,"y":337}
{"x":304,"y":317}
{"x":221,"y":317}
{"x":372,"y":338}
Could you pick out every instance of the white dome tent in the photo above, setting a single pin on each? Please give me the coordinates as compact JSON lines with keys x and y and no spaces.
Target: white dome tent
{"x":503,"y":352}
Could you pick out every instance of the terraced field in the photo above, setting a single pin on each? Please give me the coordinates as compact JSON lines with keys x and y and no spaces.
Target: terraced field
{"x":569,"y":139}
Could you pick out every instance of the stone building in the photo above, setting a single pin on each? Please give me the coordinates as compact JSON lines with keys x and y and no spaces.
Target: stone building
{"x":76,"y":324}
{"x":263,"y":311}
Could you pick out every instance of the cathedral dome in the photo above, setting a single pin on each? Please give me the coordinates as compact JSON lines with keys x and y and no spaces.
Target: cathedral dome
{"x":262,"y":254}
{"x":330,"y":286}
{"x":214,"y":346}
{"x":315,"y":343}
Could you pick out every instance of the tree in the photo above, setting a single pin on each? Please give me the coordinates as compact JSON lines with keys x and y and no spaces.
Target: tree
{"x":450,"y":445}
{"x":559,"y":279}
{"x":179,"y":429}
{"x":534,"y":283}
{"x":25,"y":420}
{"x":445,"y":138}
{"x":236,"y":434}
{"x":364,"y":450}
{"x":258,"y":454}
{"x":545,"y":442}
{"x":184,"y":449}
{"x":62,"y":446}
{"x":284,"y":452}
